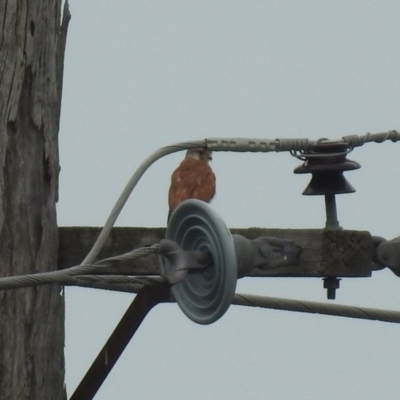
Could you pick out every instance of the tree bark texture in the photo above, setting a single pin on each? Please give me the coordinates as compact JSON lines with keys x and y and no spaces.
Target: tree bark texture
{"x":32,"y":44}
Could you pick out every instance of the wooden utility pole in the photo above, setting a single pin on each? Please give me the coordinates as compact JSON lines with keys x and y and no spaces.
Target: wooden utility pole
{"x":32,"y":44}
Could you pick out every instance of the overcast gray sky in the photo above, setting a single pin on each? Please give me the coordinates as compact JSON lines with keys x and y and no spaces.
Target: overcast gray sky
{"x":140,"y":75}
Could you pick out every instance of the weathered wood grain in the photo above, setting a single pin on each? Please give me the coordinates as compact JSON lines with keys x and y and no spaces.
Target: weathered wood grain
{"x":324,"y":253}
{"x":32,"y":320}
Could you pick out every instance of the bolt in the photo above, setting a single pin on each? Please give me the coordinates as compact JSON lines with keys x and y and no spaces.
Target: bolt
{"x":331,"y":284}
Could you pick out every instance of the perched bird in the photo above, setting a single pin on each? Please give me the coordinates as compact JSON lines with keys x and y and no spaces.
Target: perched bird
{"x":193,"y":179}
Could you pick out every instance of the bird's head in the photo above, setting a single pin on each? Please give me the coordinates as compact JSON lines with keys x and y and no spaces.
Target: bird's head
{"x":200,"y":154}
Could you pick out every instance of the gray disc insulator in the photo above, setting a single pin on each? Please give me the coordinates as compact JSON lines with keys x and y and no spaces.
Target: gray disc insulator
{"x":204,"y":295}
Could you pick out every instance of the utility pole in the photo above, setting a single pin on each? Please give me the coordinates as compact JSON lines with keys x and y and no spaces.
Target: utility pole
{"x":32,"y":45}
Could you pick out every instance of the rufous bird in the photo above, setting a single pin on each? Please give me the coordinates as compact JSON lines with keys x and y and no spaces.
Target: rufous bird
{"x":193,"y":179}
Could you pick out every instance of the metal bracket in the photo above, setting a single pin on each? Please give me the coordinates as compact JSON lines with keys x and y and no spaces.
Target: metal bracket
{"x":264,"y":253}
{"x":176,"y":262}
{"x":145,"y":300}
{"x":387,"y":253}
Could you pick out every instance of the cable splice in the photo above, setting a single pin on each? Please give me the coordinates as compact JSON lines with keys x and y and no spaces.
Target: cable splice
{"x":256,"y":145}
{"x":357,"y":140}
